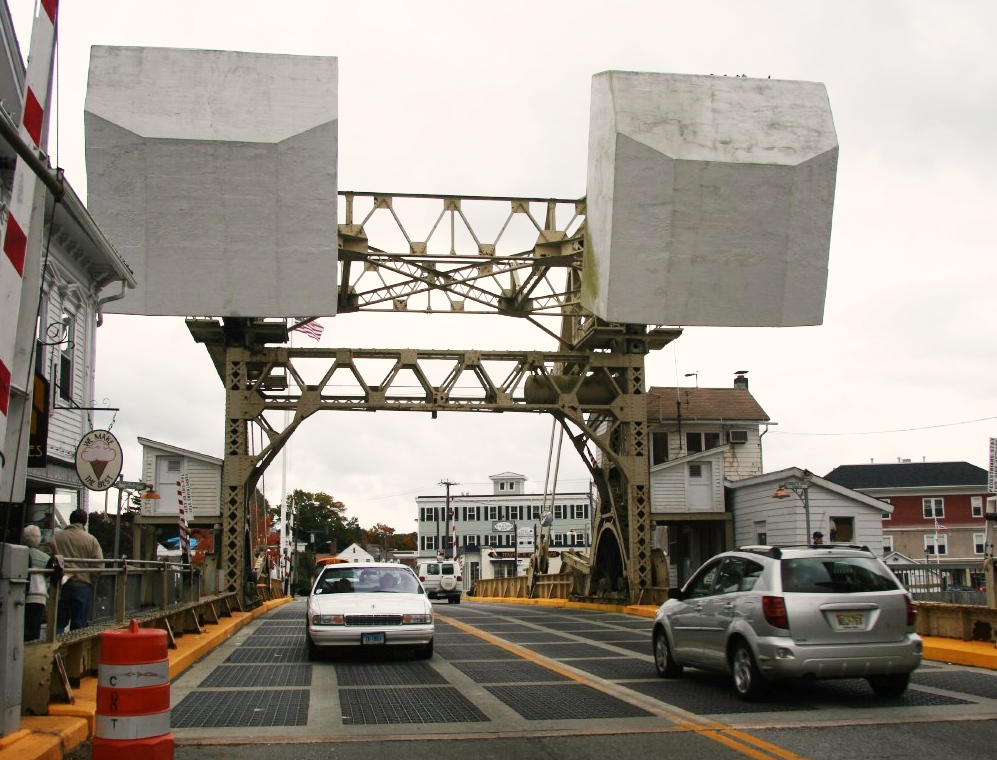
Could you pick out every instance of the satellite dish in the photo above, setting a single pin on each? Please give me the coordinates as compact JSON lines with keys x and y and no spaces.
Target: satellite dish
{"x":547,"y":519}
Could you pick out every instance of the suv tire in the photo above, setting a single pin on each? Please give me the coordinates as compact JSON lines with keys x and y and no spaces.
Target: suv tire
{"x":891,"y":685}
{"x":748,"y":681}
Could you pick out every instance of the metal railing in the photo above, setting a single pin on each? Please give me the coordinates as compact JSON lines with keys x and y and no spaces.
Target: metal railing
{"x":161,"y":594}
{"x":123,"y":589}
{"x":949,"y":582}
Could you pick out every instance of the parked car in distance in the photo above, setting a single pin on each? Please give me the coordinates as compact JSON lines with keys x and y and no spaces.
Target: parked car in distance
{"x":441,"y":579}
{"x":765,"y":614}
{"x":369,"y":604}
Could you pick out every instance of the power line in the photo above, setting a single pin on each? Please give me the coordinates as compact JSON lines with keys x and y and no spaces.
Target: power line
{"x":884,"y":432}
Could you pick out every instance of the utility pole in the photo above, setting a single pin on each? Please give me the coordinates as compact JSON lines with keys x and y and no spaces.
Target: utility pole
{"x":447,"y":548}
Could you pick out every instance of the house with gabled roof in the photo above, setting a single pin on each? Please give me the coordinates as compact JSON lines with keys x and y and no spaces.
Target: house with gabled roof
{"x":812,"y":505}
{"x":699,"y":438}
{"x":938,"y":507}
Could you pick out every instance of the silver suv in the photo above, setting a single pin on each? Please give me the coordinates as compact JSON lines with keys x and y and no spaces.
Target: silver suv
{"x":766,"y":613}
{"x":441,"y":579}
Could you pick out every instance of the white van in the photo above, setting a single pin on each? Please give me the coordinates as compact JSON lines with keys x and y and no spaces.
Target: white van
{"x":441,"y":579}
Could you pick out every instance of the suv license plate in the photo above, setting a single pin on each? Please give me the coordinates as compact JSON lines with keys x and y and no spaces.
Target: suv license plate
{"x":850,"y":620}
{"x":371,"y":638}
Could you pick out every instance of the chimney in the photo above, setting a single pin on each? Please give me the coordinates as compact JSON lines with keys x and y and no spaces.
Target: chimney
{"x":740,"y":379}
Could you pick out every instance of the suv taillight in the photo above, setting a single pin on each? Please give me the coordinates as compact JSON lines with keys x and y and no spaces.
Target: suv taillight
{"x":422,"y":579}
{"x":774,"y":609}
{"x":911,"y":611}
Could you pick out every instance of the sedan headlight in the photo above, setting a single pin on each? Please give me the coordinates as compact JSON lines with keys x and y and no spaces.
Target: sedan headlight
{"x":327,"y":620}
{"x":417,"y":619}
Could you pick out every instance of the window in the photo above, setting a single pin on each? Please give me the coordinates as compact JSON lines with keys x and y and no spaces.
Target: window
{"x":560,"y":510}
{"x":933,"y":508}
{"x":887,"y":544}
{"x":428,"y":542}
{"x":66,"y":360}
{"x":492,"y":511}
{"x":659,"y":447}
{"x":702,"y":584}
{"x":737,"y":575}
{"x":471,"y":513}
{"x":843,"y":529}
{"x":976,"y":504}
{"x":515,"y":512}
{"x":512,"y":486}
{"x":887,"y":515}
{"x":427,"y":514}
{"x":979,"y":543}
{"x":468,"y":539}
{"x":501,"y":485}
{"x":696,"y":442}
{"x":579,"y":511}
{"x":761,"y":533}
{"x":929,"y":544}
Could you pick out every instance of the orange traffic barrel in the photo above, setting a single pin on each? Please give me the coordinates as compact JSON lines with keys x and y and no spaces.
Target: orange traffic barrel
{"x":133,"y":696}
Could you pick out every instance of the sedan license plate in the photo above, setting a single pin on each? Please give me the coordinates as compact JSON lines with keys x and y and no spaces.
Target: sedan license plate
{"x":850,"y":620}
{"x":371,"y":638}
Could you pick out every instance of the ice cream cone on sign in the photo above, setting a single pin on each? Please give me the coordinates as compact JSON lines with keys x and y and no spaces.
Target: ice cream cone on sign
{"x":98,"y":466}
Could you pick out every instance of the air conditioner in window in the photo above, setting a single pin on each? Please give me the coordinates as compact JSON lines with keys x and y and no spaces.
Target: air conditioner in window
{"x":737,"y":436}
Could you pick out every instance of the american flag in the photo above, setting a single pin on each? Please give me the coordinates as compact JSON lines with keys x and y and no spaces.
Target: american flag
{"x":311,"y":329}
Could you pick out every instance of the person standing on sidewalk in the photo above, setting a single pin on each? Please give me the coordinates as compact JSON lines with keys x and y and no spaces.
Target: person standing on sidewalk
{"x":76,"y":595}
{"x":37,"y":598}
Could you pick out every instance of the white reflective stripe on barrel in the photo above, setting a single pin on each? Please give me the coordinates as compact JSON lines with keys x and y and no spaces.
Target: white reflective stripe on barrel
{"x":132,"y":726}
{"x":134,"y":676}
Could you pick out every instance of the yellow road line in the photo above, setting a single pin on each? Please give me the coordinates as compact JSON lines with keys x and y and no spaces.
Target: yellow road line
{"x":742,"y":742}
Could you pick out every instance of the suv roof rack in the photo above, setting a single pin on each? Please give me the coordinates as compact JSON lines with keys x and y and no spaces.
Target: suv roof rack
{"x":776,"y":551}
{"x":769,"y":551}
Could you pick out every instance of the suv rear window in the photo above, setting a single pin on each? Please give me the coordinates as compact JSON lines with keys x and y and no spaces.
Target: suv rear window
{"x":432,"y":569}
{"x":841,"y":575}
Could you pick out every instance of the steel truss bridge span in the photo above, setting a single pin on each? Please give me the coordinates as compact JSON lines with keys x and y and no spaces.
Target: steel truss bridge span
{"x":592,"y":383}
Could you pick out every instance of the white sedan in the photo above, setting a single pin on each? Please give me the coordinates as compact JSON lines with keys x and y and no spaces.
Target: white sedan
{"x":370,"y":604}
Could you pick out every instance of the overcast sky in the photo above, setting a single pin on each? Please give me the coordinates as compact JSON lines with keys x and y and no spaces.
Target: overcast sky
{"x":492,"y":99}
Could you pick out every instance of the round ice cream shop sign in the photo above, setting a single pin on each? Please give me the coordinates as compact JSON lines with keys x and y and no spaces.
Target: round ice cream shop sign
{"x":98,"y":460}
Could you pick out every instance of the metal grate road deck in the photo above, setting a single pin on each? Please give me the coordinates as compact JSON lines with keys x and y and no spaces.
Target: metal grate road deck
{"x":977,"y":684}
{"x":617,"y":668}
{"x":202,"y":709}
{"x":268,"y":655}
{"x":564,"y":702}
{"x":431,"y":704}
{"x":267,"y":676}
{"x":387,"y":674}
{"x":508,"y":672}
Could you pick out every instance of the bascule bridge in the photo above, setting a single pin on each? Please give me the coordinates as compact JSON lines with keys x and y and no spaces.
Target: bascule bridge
{"x":708,"y":202}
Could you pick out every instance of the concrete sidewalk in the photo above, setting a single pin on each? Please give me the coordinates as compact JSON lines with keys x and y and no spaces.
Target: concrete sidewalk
{"x":67,"y":726}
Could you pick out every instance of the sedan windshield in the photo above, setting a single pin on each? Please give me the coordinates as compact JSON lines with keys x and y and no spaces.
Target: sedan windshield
{"x":842,"y":575}
{"x":338,"y":580}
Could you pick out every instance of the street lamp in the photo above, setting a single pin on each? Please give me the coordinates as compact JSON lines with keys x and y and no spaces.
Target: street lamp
{"x":802,"y":489}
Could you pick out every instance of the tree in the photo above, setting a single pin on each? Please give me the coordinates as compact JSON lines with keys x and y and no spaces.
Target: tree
{"x":321,"y":516}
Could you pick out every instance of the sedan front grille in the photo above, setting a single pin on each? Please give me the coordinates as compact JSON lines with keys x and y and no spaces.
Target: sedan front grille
{"x":368,"y":620}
